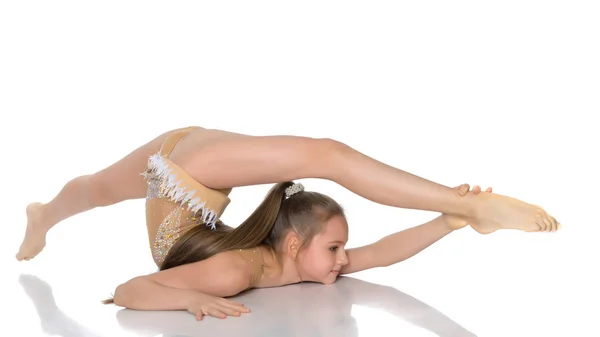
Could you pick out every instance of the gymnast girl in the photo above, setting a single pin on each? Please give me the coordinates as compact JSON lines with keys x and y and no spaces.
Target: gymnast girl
{"x":186,"y":176}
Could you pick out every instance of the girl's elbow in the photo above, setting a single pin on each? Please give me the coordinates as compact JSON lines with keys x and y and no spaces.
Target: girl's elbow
{"x":123,"y":294}
{"x":120,"y":295}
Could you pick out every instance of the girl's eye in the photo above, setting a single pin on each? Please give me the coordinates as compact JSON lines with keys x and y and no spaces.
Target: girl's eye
{"x":333,"y":249}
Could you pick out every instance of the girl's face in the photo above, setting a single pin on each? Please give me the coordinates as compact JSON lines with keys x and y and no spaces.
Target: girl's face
{"x":323,"y":259}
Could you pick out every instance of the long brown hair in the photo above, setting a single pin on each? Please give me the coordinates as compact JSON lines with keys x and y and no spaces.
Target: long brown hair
{"x":305,"y":213}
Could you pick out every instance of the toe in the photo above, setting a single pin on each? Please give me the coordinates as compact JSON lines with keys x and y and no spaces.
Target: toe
{"x":540,"y":220}
{"x":541,"y":225}
{"x":555,"y":223}
{"x":549,"y":226}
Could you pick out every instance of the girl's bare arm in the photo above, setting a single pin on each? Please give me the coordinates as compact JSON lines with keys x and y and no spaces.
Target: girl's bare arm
{"x":178,"y":288}
{"x":396,"y":247}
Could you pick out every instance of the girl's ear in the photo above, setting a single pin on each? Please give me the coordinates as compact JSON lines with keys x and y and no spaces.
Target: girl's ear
{"x":292,"y":245}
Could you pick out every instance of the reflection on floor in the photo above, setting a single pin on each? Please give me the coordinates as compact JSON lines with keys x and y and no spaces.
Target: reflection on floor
{"x":349,"y":307}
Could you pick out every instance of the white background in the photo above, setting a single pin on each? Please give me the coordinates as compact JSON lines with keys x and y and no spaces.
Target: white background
{"x":503,"y":94}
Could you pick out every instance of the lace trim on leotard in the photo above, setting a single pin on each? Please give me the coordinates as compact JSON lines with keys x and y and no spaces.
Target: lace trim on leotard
{"x":170,"y":187}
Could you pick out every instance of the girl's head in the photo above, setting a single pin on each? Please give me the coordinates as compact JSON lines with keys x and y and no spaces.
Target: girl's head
{"x":307,"y":228}
{"x":311,"y":230}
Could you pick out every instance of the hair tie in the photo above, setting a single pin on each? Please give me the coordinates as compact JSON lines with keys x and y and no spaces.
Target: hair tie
{"x":293,"y":190}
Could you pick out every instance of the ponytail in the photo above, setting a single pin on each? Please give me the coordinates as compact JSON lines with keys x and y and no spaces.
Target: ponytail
{"x":201,"y":242}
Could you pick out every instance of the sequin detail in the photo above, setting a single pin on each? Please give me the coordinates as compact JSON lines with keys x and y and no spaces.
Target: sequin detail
{"x":168,"y":232}
{"x":153,"y":190}
{"x":162,"y":182}
{"x":258,"y":265}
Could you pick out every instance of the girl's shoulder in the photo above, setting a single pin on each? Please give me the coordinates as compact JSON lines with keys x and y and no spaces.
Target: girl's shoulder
{"x":223,"y":274}
{"x":249,"y":261}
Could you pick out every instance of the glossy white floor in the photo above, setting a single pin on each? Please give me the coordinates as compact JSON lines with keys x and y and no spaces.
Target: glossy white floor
{"x":508,"y":284}
{"x":499,"y":95}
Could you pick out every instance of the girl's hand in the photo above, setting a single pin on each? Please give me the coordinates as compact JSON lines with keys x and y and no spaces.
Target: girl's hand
{"x":455,"y":222}
{"x":203,"y":304}
{"x":464,"y":189}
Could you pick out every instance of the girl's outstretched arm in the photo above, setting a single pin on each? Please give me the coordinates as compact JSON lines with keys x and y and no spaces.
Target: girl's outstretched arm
{"x":396,"y":247}
{"x":198,"y":287}
{"x":143,"y":293}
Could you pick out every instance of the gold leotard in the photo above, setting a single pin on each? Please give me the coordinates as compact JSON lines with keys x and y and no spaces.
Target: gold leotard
{"x":176,"y":202}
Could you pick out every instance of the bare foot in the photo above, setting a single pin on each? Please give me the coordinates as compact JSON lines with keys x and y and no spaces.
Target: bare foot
{"x":496,"y":211}
{"x":35,"y":235}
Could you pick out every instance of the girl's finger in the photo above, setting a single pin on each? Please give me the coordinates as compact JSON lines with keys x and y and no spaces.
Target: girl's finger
{"x":229,"y":311}
{"x":223,"y":300}
{"x":235,"y":306}
{"x":216,"y":313}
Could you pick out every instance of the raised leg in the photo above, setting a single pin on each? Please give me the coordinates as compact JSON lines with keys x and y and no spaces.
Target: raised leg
{"x":119,"y":182}
{"x":223,"y":160}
